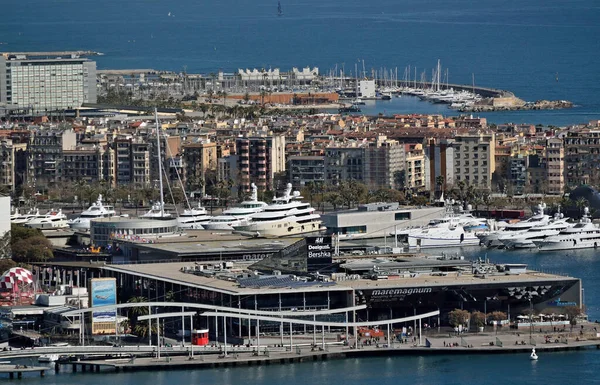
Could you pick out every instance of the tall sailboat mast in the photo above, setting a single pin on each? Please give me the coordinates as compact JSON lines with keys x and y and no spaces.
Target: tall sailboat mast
{"x":160,"y":180}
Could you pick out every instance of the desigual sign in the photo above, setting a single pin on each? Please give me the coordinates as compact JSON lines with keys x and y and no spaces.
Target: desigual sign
{"x":318,"y":247}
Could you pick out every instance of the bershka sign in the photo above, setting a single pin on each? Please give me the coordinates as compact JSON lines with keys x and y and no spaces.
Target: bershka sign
{"x":319,"y":253}
{"x":318,"y":247}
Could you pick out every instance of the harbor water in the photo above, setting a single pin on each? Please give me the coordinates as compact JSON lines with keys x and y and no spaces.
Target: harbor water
{"x":540,"y":49}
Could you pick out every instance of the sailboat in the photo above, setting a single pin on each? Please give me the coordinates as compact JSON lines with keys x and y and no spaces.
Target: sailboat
{"x":157,"y":211}
{"x":279,"y":10}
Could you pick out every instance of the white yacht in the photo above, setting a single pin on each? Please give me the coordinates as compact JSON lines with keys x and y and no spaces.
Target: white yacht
{"x":51,"y":220}
{"x":526,"y":239}
{"x":157,"y":211}
{"x":237,"y":215}
{"x":584,"y":235}
{"x":491,"y":238}
{"x":193,"y":218}
{"x":286,"y":216}
{"x":95,"y":211}
{"x":21,"y":219}
{"x":445,"y":232}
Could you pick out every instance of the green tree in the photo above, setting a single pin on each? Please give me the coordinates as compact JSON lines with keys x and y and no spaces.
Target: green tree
{"x":581,"y":204}
{"x":6,"y":264}
{"x":478,"y":318}
{"x":572,"y":313}
{"x":497,"y":316}
{"x":439,"y":183}
{"x":29,"y":245}
{"x":334,"y":199}
{"x":458,"y":317}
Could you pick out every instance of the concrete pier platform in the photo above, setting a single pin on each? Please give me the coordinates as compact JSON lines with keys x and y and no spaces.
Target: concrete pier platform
{"x":11,"y":370}
{"x":466,"y":344}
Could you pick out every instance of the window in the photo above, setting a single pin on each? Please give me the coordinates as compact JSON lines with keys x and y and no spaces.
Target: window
{"x":402,"y":216}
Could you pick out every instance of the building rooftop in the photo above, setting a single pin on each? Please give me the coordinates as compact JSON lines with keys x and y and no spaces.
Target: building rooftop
{"x":173,"y":272}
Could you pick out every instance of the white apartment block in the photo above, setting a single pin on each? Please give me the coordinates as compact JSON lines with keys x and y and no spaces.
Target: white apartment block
{"x":39,"y":84}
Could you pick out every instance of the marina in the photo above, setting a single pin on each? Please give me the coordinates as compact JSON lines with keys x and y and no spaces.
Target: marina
{"x":305,"y":290}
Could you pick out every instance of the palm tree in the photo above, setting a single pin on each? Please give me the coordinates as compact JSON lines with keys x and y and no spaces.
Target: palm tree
{"x":581,"y":204}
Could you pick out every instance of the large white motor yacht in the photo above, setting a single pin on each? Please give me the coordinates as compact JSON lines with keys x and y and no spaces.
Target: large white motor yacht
{"x":445,"y":232}
{"x":491,"y":238}
{"x":237,"y":215}
{"x":21,"y":219}
{"x":193,"y":218}
{"x":51,"y":220}
{"x":584,"y":235}
{"x":286,"y":216}
{"x":526,"y":239}
{"x":95,"y":211}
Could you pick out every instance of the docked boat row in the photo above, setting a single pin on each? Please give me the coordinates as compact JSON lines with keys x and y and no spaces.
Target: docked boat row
{"x":53,"y":219}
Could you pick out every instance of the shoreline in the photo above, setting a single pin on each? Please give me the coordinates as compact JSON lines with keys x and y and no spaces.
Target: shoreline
{"x":180,"y":358}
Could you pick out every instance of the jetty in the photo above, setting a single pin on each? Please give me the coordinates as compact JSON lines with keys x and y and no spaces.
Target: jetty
{"x":20,"y":369}
{"x":275,"y":354}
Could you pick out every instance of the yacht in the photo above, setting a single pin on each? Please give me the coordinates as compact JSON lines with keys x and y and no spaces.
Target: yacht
{"x":48,"y":358}
{"x":95,"y":211}
{"x":238,"y":215}
{"x":584,"y":235}
{"x":193,"y":218}
{"x":445,"y":232}
{"x":526,"y":239}
{"x":286,"y":216}
{"x":21,"y":219}
{"x":157,"y":211}
{"x":491,"y":238}
{"x":51,"y":220}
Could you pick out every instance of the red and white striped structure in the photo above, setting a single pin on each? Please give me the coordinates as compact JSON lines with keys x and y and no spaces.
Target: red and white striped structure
{"x":16,"y":277}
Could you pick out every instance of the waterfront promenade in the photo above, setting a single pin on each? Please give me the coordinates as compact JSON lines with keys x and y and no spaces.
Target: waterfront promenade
{"x":272,"y":352}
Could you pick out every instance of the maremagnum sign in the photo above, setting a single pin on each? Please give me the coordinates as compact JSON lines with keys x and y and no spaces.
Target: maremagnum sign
{"x":319,"y":253}
{"x":379,"y":296}
{"x":103,"y":292}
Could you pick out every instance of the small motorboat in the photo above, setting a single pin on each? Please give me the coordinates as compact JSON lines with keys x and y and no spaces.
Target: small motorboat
{"x":533,"y":356}
{"x":48,"y":358}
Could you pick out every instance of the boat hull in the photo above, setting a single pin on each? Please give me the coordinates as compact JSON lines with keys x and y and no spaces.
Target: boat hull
{"x":416,"y":242}
{"x":280,"y":229}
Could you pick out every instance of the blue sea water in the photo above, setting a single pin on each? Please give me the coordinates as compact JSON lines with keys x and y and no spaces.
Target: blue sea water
{"x":514,"y":45}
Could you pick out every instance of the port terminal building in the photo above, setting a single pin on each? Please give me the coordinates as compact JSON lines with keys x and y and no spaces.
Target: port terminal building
{"x":302,"y":275}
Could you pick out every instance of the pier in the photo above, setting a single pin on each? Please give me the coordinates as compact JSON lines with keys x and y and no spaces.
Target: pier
{"x":467,"y":344}
{"x":20,"y":369}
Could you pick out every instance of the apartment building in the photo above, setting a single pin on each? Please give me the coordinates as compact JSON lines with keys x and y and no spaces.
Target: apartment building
{"x":40,"y":83}
{"x":259,"y":159}
{"x":305,"y":169}
{"x":46,"y":148}
{"x":84,"y":163}
{"x":13,"y":163}
{"x":414,"y":167}
{"x":555,"y":166}
{"x":383,"y":159}
{"x":582,"y":157}
{"x":132,"y":162}
{"x":439,"y":164}
{"x":475,"y":159}
{"x":196,"y":159}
